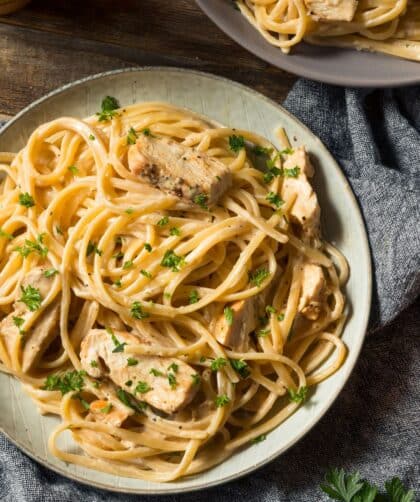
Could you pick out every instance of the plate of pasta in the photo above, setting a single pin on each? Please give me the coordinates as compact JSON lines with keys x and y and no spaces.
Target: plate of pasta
{"x":185,"y":280}
{"x":355,"y":43}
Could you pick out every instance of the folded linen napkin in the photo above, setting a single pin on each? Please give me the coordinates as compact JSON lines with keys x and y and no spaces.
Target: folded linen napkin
{"x":373,"y":425}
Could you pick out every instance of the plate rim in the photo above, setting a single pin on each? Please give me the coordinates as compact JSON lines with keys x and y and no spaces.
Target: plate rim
{"x":367,"y":259}
{"x":300,"y":70}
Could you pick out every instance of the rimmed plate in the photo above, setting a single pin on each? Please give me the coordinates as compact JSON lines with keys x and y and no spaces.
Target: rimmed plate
{"x":346,"y":67}
{"x":235,"y":105}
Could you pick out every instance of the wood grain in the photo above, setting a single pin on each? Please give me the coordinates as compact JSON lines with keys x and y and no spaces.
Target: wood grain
{"x":50,"y":43}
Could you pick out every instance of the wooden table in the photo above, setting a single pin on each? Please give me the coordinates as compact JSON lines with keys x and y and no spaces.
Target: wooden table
{"x":52,"y":42}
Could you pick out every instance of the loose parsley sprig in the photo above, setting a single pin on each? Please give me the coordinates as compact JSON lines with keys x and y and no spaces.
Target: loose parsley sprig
{"x":31,"y":297}
{"x":352,"y":488}
{"x":108,"y":107}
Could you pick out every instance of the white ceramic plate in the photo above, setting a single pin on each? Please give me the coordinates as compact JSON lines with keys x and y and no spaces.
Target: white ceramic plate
{"x":237,"y":106}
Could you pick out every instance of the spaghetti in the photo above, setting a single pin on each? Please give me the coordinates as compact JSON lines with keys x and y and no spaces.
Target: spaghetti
{"x":388,"y":26}
{"x":92,"y":256}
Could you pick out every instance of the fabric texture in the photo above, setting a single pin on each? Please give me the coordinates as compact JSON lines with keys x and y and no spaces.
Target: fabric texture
{"x":374,"y":425}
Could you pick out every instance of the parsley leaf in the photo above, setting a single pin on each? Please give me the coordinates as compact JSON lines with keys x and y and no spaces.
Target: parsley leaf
{"x":172,"y":380}
{"x":33,"y":247}
{"x":173,"y":367}
{"x":127,"y":264}
{"x":228,"y":311}
{"x":131,"y":136}
{"x":241,"y":367}
{"x":51,"y":272}
{"x":221,"y":401}
{"x":298,"y":396}
{"x":257,"y":277}
{"x":26,"y":199}
{"x":73,"y":170}
{"x":259,"y":151}
{"x":340,"y":486}
{"x":291,"y":173}
{"x":155,"y":372}
{"x":132,"y":362}
{"x":196,"y":378}
{"x":147,"y":132}
{"x":174,"y":231}
{"x":146,"y":273}
{"x":70,"y":381}
{"x":129,"y":401}
{"x":142,"y":388}
{"x":261,"y":333}
{"x":119,"y":347}
{"x":397,"y":492}
{"x":107,"y":408}
{"x":137,"y":311}
{"x":172,"y":260}
{"x":274,"y":199}
{"x":108,"y":107}
{"x":259,"y":439}
{"x":163,"y":221}
{"x":201,"y":200}
{"x":218,"y":363}
{"x":148,"y":247}
{"x":236,"y":143}
{"x":193,"y":297}
{"x":93,"y":248}
{"x":18,"y":322}
{"x":5,"y":234}
{"x":31,"y":297}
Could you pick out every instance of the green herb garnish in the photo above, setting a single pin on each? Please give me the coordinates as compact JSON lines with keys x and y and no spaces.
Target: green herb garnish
{"x":193,"y":297}
{"x":218,"y":363}
{"x":258,"y":276}
{"x":221,"y":401}
{"x":236,"y":143}
{"x":172,"y":260}
{"x":26,"y":199}
{"x":31,"y":297}
{"x":298,"y":396}
{"x":137,"y":311}
{"x":240,"y":366}
{"x":108,"y":107}
{"x":131,"y":136}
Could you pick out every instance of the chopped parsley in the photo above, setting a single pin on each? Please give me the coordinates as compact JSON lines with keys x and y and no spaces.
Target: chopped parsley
{"x":298,"y":396}
{"x":218,"y":363}
{"x":66,"y":382}
{"x":221,"y":401}
{"x":167,"y":295}
{"x":129,"y":401}
{"x":173,"y":367}
{"x":31,"y":297}
{"x":196,"y":378}
{"x":106,"y":409}
{"x":129,"y":210}
{"x":201,"y":200}
{"x":94,"y":364}
{"x":280,"y":317}
{"x":240,"y":366}
{"x":147,"y":132}
{"x":274,"y":199}
{"x":91,"y":137}
{"x":119,"y":347}
{"x":33,"y":247}
{"x":146,"y":273}
{"x":228,"y":315}
{"x":270,"y":309}
{"x":108,"y":107}
{"x":272,"y":172}
{"x":58,"y":230}
{"x":142,"y":388}
{"x":172,"y":380}
{"x":118,"y":255}
{"x":137,"y":311}
{"x":175,"y":231}
{"x":118,"y":283}
{"x":258,"y":276}
{"x":236,"y":143}
{"x":193,"y":297}
{"x":261,"y":333}
{"x":127,"y":264}
{"x":148,"y":247}
{"x":261,"y":150}
{"x":93,"y":248}
{"x":259,"y":439}
{"x":51,"y":272}
{"x":26,"y":199}
{"x":287,"y":151}
{"x":291,"y":173}
{"x":155,"y":372}
{"x":18,"y":322}
{"x":73,"y":170}
{"x":172,"y":260}
{"x":132,"y":362}
{"x":129,"y":383}
{"x":131,"y":136}
{"x":163,"y":221}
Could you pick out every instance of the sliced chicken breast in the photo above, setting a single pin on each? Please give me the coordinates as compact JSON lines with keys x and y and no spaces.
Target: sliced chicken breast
{"x":235,"y":335}
{"x":179,"y":170}
{"x":332,"y":10}
{"x":305,"y":210}
{"x":165,"y":383}
{"x":313,"y":291}
{"x":42,"y":332}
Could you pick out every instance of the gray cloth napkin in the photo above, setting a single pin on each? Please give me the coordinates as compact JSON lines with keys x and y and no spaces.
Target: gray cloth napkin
{"x":373,"y":425}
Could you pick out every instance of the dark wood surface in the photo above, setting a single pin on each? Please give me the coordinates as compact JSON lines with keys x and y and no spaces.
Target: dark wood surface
{"x":52,"y":42}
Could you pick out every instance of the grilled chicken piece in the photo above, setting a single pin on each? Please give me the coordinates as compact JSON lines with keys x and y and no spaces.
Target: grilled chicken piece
{"x":42,"y":332}
{"x":152,"y":372}
{"x":332,"y":10}
{"x":235,"y":335}
{"x":245,"y":315}
{"x":104,"y":411}
{"x":313,"y":291}
{"x":179,"y":170}
{"x":305,"y":210}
